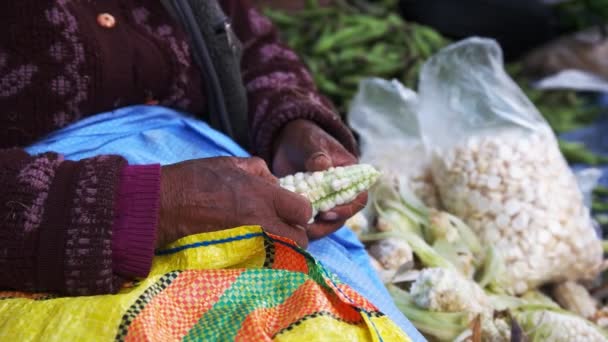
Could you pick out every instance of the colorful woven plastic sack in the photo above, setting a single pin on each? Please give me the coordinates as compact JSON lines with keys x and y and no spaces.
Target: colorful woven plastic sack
{"x":239,"y":284}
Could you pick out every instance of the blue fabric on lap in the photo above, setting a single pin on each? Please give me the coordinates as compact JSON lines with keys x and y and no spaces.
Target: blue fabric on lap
{"x":141,"y":134}
{"x":154,"y":134}
{"x":343,"y":254}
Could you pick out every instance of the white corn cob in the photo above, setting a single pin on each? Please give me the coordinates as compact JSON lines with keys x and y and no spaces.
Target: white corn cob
{"x":336,"y":186}
{"x":601,"y":317}
{"x":358,"y":223}
{"x":545,"y":325}
{"x":391,"y":253}
{"x":444,"y":290}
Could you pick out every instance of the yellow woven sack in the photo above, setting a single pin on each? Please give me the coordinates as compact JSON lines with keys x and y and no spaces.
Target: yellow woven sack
{"x":238,"y":284}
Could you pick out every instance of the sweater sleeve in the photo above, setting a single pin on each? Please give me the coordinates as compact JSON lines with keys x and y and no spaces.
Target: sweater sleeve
{"x":135,"y":220}
{"x":279,"y":86}
{"x":56,"y":227}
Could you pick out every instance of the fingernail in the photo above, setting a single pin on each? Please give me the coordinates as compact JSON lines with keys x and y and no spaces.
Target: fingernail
{"x":329,"y":216}
{"x":319,"y":161}
{"x":317,"y":157}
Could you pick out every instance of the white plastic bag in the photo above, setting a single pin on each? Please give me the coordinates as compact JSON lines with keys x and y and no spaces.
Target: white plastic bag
{"x":497,"y":165}
{"x":384,"y":115}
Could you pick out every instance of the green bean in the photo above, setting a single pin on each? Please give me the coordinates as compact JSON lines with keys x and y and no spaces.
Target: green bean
{"x":576,"y":152}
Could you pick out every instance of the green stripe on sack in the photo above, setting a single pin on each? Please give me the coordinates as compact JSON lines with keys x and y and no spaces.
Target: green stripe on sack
{"x":252,"y":290}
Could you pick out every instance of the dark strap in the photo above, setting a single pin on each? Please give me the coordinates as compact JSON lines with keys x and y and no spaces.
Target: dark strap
{"x":217,"y":51}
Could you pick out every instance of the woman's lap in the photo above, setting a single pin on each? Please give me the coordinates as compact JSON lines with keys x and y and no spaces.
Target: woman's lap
{"x":152,"y":134}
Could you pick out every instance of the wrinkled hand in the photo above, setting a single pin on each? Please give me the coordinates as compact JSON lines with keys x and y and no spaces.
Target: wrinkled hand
{"x":304,"y":146}
{"x":218,"y":193}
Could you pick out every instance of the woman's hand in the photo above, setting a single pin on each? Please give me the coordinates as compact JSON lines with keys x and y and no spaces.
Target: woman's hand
{"x":304,"y":146}
{"x":218,"y":193}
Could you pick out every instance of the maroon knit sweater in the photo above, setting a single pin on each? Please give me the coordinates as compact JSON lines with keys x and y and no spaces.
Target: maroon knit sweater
{"x":81,"y":227}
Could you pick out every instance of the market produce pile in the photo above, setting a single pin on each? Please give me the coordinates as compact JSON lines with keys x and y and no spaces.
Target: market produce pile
{"x":455,"y":286}
{"x":448,"y":283}
{"x":503,"y":249}
{"x":480,"y":232}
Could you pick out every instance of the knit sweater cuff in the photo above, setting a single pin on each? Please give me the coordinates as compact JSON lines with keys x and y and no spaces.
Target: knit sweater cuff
{"x":295,"y":109}
{"x":136,"y":220}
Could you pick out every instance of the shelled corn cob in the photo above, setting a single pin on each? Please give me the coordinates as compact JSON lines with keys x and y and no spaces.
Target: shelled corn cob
{"x":336,"y":186}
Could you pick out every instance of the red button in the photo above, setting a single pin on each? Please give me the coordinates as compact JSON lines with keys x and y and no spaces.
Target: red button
{"x":106,"y":20}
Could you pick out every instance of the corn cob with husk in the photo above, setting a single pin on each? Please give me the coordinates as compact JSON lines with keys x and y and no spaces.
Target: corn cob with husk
{"x":358,"y":223}
{"x":558,"y":326}
{"x":445,"y":306}
{"x":391,"y":253}
{"x":437,"y":238}
{"x":541,"y":319}
{"x":328,"y":189}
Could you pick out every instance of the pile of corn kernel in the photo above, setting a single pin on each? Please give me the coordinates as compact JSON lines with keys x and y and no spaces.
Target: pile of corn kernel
{"x":515,"y":189}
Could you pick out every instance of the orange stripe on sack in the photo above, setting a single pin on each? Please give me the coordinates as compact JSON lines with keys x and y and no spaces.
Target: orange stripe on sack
{"x":172,"y":313}
{"x":286,"y":258}
{"x":349,"y":295}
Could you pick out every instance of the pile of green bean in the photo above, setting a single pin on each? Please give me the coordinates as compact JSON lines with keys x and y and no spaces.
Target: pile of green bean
{"x":352,"y":40}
